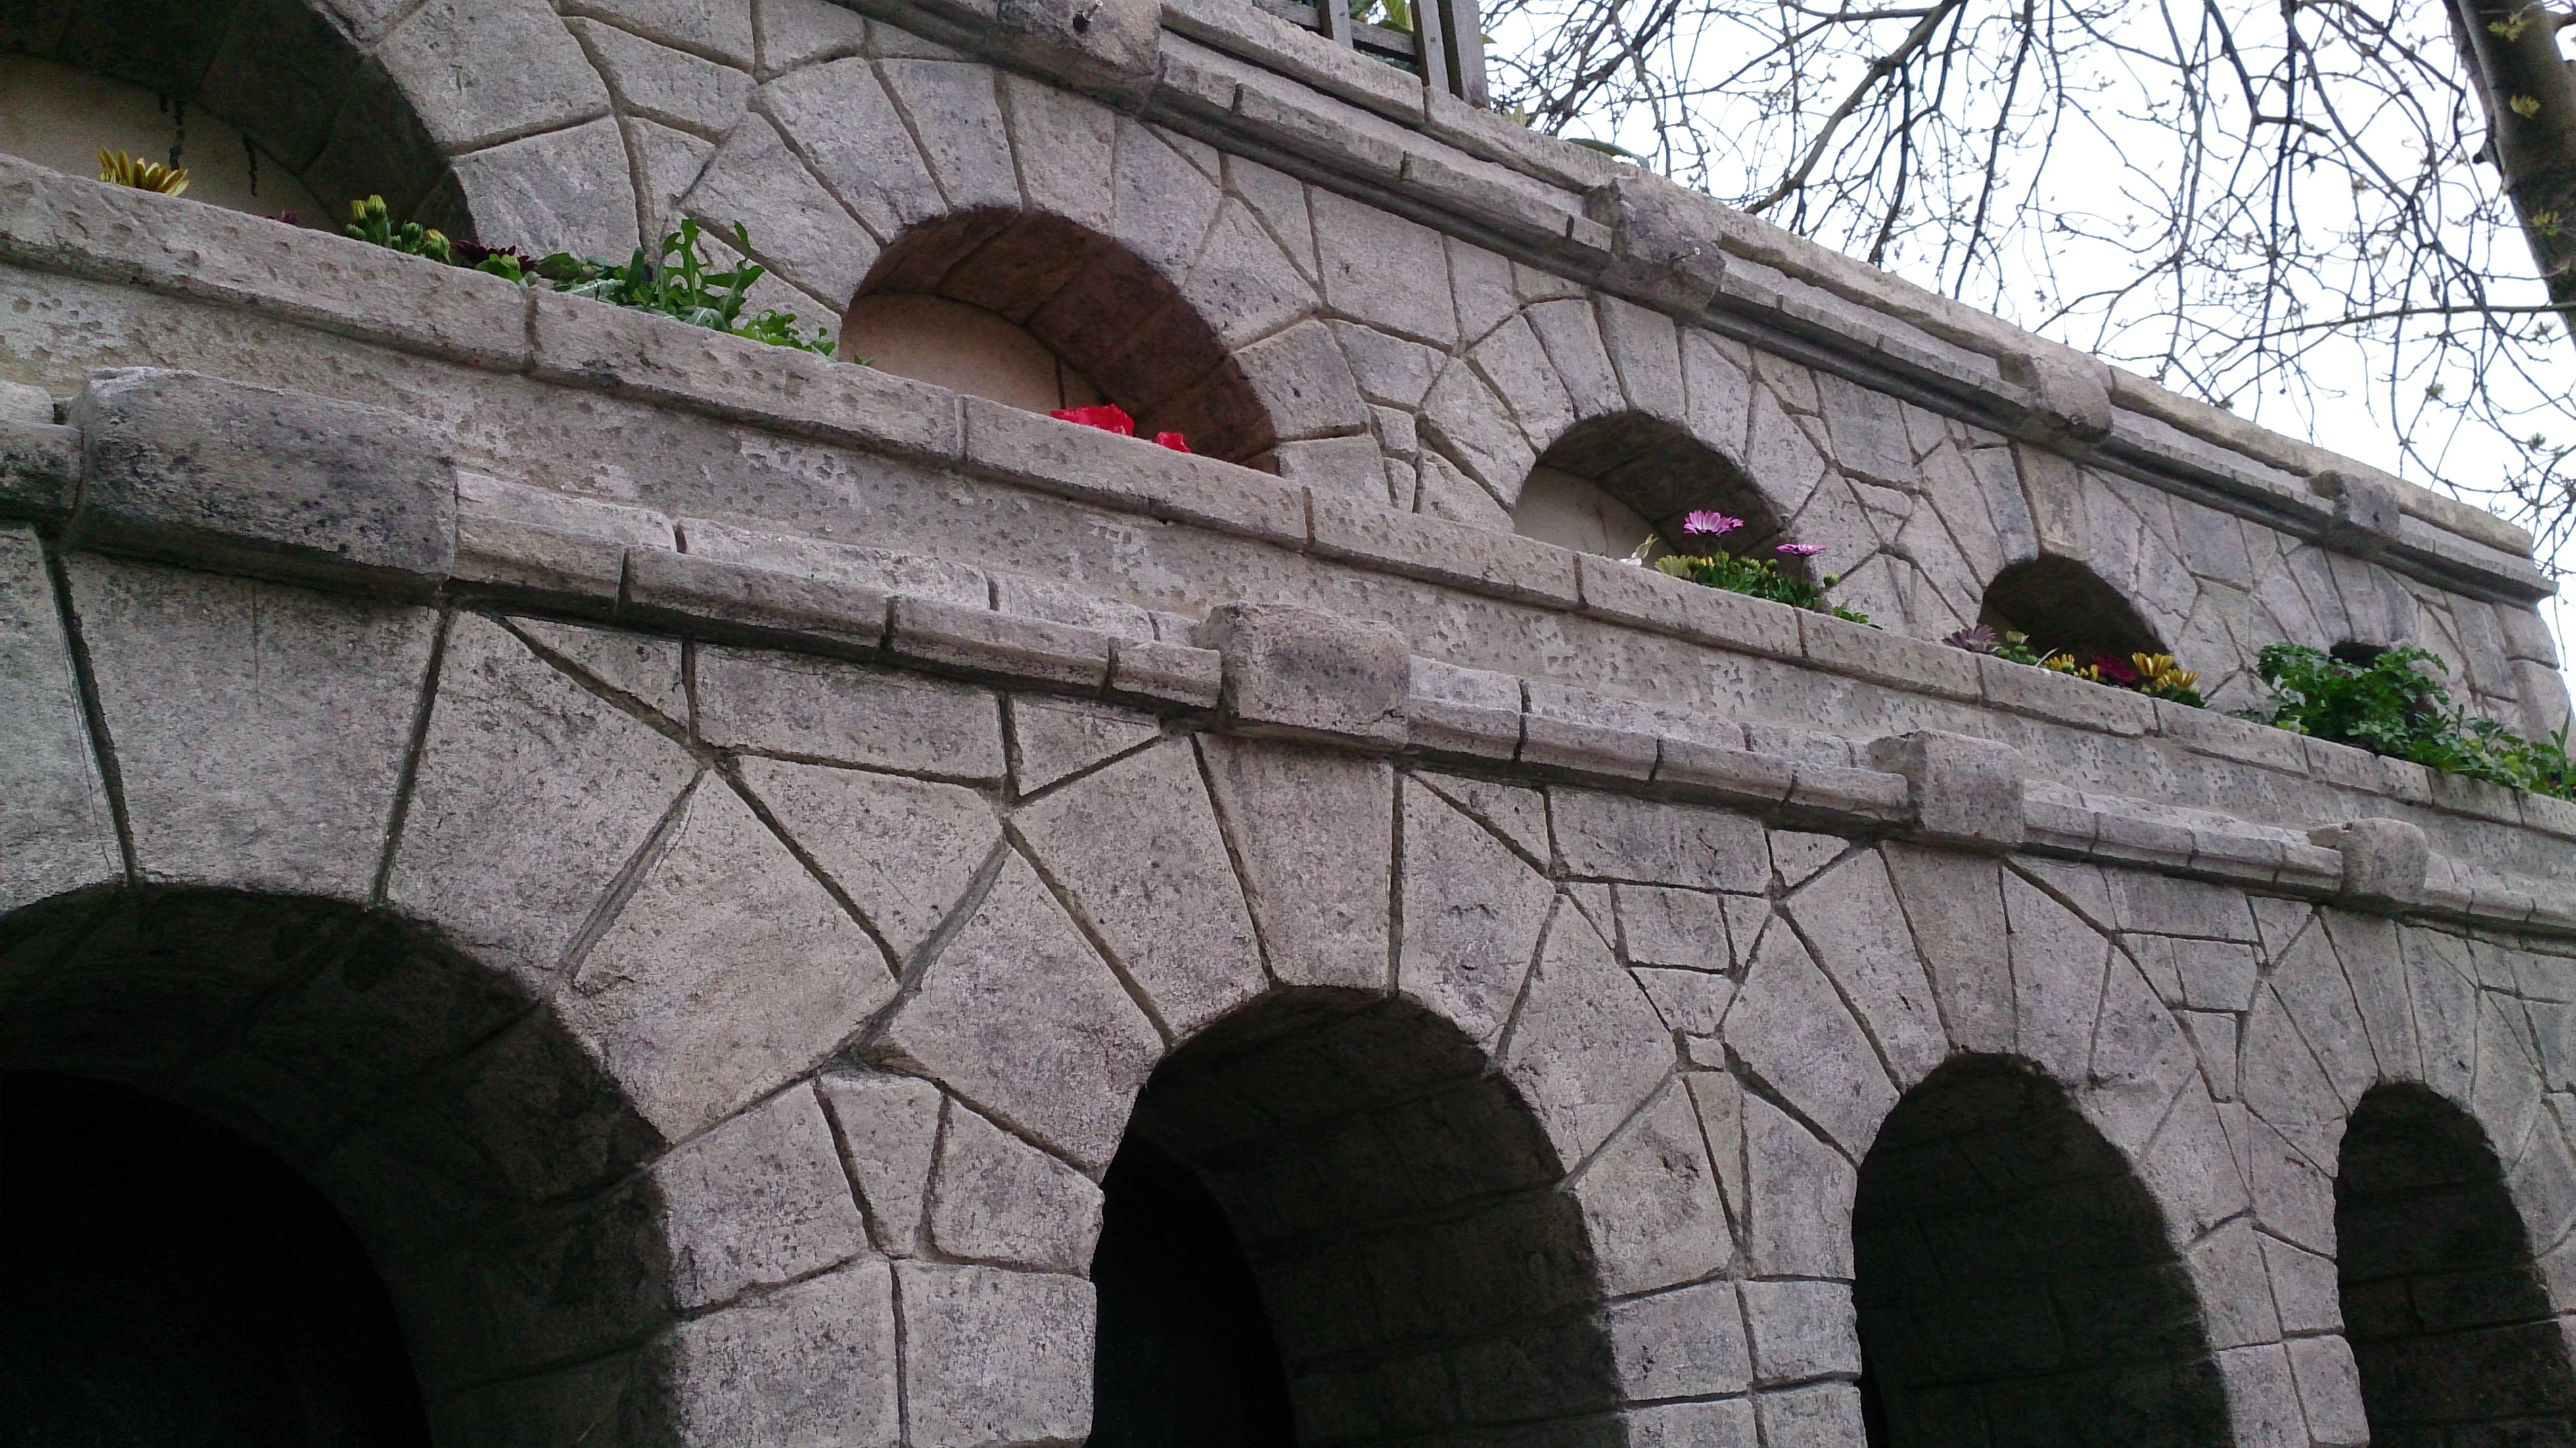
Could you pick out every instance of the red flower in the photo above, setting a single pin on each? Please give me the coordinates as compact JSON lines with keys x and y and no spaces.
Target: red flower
{"x":1172,"y":440}
{"x":1106,"y":416}
{"x":2116,"y":670}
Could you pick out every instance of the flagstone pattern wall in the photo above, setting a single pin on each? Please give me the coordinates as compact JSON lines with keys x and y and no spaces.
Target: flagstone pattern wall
{"x":484,"y":711}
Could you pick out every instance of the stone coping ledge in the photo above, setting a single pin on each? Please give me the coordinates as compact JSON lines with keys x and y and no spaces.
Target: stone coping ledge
{"x":56,"y":222}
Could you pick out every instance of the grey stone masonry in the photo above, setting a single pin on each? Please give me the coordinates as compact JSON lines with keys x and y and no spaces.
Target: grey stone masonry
{"x":706,"y":853}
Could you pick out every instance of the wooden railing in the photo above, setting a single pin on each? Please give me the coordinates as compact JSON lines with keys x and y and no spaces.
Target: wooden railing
{"x":1446,"y":46}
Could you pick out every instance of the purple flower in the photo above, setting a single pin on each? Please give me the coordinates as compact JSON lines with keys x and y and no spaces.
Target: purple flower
{"x":1800,"y":550}
{"x":1710,"y":522}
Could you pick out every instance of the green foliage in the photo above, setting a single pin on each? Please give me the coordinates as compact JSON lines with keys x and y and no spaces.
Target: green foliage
{"x":2393,"y":706}
{"x":1759,"y":577}
{"x":675,"y":281}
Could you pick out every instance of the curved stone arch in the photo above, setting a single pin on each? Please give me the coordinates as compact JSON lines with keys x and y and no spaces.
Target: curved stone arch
{"x":1639,"y":476}
{"x":2064,"y":605}
{"x":495,"y":1174}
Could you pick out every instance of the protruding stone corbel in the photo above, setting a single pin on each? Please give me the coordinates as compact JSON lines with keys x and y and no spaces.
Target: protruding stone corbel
{"x":2070,"y":396}
{"x":1964,"y":791}
{"x":2384,"y":861}
{"x":1664,"y":245}
{"x":2367,"y":515}
{"x":1303,"y":673}
{"x":259,"y":480}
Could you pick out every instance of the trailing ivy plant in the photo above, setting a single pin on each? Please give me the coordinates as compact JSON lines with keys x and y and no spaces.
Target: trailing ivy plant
{"x":674,"y":281}
{"x":2394,"y":704}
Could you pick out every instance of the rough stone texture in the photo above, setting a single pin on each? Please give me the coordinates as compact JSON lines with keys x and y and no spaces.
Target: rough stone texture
{"x":259,"y":729}
{"x":888,"y":1127}
{"x":1300,"y":672}
{"x":1605,"y":836}
{"x":844,"y":714}
{"x":1314,"y":831}
{"x":903,"y":850}
{"x":179,"y":465}
{"x":813,"y":1363}
{"x":1164,"y":899}
{"x":1965,"y":791}
{"x":729,"y":969}
{"x":1025,"y":1020}
{"x":994,"y":1356}
{"x":998,"y":1199}
{"x":519,"y":766}
{"x":1582,"y":1048}
{"x":1053,"y":738}
{"x":757,"y":1202}
{"x":1651,"y":1205}
{"x":1472,"y":916}
{"x":57,"y":830}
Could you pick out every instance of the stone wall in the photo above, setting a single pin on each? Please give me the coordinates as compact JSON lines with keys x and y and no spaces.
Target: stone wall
{"x":706,"y":853}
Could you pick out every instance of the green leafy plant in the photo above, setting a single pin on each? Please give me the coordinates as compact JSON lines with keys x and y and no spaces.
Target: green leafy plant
{"x":1759,"y":577}
{"x":675,"y":280}
{"x":2155,"y":675}
{"x":2394,"y":704}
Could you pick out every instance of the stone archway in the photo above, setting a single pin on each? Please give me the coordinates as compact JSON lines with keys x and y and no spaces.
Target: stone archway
{"x":2450,"y":1324}
{"x":1118,"y":329}
{"x":2014,"y":1280}
{"x":1614,"y":482}
{"x":489,"y":1168}
{"x":1398,"y":1213}
{"x":2064,"y":605}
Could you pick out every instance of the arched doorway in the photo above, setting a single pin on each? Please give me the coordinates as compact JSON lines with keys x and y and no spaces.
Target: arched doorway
{"x":1039,"y":312}
{"x":2448,"y":1320}
{"x":2015,"y":1285}
{"x":171,"y":1283}
{"x":483,"y":1166}
{"x":1333,"y":1222}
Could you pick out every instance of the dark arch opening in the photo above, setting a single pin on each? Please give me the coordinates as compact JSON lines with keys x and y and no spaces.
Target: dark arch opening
{"x":1639,"y":477}
{"x":2063,"y":606}
{"x":1097,"y":307}
{"x":486,"y":1168}
{"x":1331,"y":1222}
{"x":2015,"y":1286}
{"x":169,"y":1282}
{"x":2447,"y":1317}
{"x":280,"y":71}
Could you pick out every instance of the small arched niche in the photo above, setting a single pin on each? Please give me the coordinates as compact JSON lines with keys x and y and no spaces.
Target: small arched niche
{"x":1332,"y":1222}
{"x":1613,"y":483}
{"x":2015,"y":1284}
{"x":2065,"y":607}
{"x":1038,"y":312}
{"x":266,"y":103}
{"x":489,"y":1172}
{"x":2448,"y":1320}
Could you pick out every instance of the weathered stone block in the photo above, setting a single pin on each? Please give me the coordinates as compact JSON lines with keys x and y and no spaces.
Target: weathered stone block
{"x":1964,"y":791}
{"x":756,"y":1202}
{"x":57,"y":829}
{"x":1315,"y":832}
{"x":1651,"y":1201}
{"x":822,"y":709}
{"x":440,"y":50}
{"x":998,"y":1199}
{"x":1686,"y":1343}
{"x":1473,"y":911}
{"x":994,"y":1356}
{"x":889,"y":1130}
{"x":1802,"y":1329}
{"x":2069,"y":395}
{"x":1820,"y":1415}
{"x":2367,"y":514}
{"x":812,"y":1363}
{"x":2384,"y":860}
{"x":1613,"y":837}
{"x":40,"y":466}
{"x":257,"y":479}
{"x":1301,"y":672}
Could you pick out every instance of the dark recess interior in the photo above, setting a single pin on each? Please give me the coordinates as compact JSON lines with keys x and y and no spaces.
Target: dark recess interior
{"x":2063,"y":606}
{"x":165,"y":1283}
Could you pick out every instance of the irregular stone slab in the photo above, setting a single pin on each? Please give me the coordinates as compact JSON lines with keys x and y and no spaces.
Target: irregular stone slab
{"x":841,"y":117}
{"x":758,"y":1201}
{"x":848,"y":714}
{"x":1137,"y":847}
{"x":995,"y":1356}
{"x":729,"y":970}
{"x":1586,"y":1045}
{"x":1472,"y":916}
{"x":889,"y":1129}
{"x":1791,"y":1028}
{"x":1682,"y":928}
{"x":998,"y":1199}
{"x":1797,"y":857}
{"x":1693,"y":1002}
{"x":57,"y":830}
{"x":1052,"y":738}
{"x":2309,"y":981}
{"x":439,"y":51}
{"x":1686,"y":1343}
{"x":1650,"y":1201}
{"x":1315,"y":832}
{"x":1820,"y":1415}
{"x":1861,"y":939}
{"x":1726,"y":1423}
{"x":2281,"y":1080}
{"x":2374,"y":966}
{"x":643,"y":667}
{"x":1021,"y":1016}
{"x":2057,"y":965}
{"x":959,"y":120}
{"x":259,"y":730}
{"x":1518,"y":815}
{"x":1802,"y":1329}
{"x":2141,"y":1060}
{"x":1801,"y":1194}
{"x":904,"y":850}
{"x":812,"y":1363}
{"x":532,"y":794}
{"x":1613,"y":837}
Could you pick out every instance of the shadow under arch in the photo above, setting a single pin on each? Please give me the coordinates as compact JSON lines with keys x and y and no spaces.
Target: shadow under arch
{"x":2014,"y":1282}
{"x":280,"y":70}
{"x":1331,"y":1221}
{"x":488,"y":1168}
{"x":1101,"y":310}
{"x":1611,"y":483}
{"x":2446,"y":1314}
{"x":2064,"y":605}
